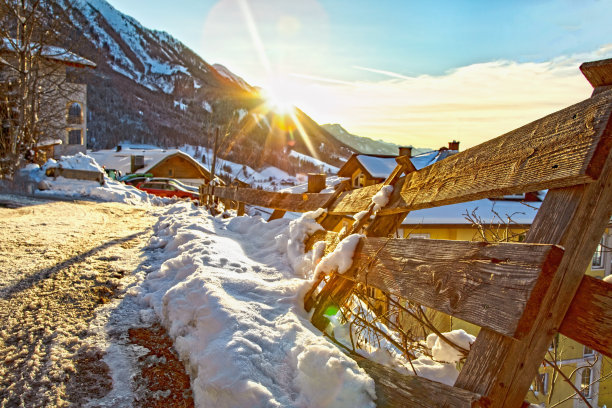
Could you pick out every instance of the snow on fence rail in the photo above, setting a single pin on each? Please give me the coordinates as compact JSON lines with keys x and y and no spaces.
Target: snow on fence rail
{"x":518,"y":293}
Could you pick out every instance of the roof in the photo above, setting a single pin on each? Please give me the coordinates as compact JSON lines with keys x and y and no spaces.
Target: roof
{"x":485,"y":209}
{"x":198,"y":165}
{"x":53,"y":53}
{"x":429,"y":158}
{"x":120,"y":160}
{"x":380,"y":166}
{"x":377,"y":165}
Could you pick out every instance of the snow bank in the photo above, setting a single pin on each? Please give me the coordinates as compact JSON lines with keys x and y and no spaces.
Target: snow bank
{"x":79,"y":161}
{"x":112,"y":190}
{"x":292,"y":242}
{"x":231,"y":301}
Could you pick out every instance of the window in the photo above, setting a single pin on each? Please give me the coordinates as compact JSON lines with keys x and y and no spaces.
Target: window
{"x":598,"y":255}
{"x":359,"y":180}
{"x":587,"y":352}
{"x":585,"y":382}
{"x":422,"y":236}
{"x":75,"y":114}
{"x":540,"y":384}
{"x":74,"y":137}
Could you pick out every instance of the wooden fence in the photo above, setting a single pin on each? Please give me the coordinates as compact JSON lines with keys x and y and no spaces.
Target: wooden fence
{"x":519,"y":293}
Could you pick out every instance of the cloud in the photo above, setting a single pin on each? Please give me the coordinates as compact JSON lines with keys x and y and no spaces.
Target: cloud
{"x":472,"y":103}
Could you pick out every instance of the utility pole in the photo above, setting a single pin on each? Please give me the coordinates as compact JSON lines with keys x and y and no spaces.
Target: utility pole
{"x":214,"y":163}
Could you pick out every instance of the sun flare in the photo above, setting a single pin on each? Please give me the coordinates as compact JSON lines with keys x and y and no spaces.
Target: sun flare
{"x":279,"y":98}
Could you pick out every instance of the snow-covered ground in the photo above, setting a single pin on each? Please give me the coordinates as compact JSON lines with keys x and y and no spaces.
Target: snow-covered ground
{"x":112,"y":190}
{"x":230,"y":293}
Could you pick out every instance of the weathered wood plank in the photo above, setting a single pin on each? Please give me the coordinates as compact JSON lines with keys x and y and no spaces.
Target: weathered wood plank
{"x":354,"y":201}
{"x":278,"y":201}
{"x":598,"y":73}
{"x":76,"y":174}
{"x":574,"y":218}
{"x":589,"y":318}
{"x":394,"y":389}
{"x":563,"y":149}
{"x":338,"y":289}
{"x":276,"y":214}
{"x":491,"y":285}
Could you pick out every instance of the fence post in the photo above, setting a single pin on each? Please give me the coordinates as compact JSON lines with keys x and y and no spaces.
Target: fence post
{"x":338,"y":289}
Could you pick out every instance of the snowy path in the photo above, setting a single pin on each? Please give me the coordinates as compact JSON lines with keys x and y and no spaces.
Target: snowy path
{"x":60,"y":261}
{"x":226,"y":293}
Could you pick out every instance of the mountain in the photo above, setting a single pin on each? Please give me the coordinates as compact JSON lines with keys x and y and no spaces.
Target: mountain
{"x":150,"y":88}
{"x":365,"y":144}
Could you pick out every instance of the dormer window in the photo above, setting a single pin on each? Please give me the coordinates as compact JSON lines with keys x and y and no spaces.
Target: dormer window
{"x":75,"y":114}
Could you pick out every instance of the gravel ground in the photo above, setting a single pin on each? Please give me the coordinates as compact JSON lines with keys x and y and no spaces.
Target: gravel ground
{"x":64,"y":267}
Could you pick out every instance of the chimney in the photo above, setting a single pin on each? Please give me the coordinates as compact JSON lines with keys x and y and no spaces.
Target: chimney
{"x":405,"y":151}
{"x":316,"y":182}
{"x":454,"y":145}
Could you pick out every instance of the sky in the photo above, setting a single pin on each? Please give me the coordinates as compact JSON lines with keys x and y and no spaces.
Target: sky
{"x":417,"y":73}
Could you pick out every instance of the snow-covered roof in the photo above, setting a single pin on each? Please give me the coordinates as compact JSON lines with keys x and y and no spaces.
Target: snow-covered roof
{"x":485,"y":209}
{"x":429,"y":158}
{"x":378,"y":167}
{"x":52,"y":52}
{"x":120,"y":160}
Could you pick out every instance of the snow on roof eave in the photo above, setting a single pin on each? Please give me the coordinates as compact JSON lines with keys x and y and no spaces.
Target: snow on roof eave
{"x":56,"y":54}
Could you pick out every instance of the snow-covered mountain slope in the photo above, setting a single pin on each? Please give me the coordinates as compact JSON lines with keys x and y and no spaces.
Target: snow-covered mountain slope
{"x":223,"y":71}
{"x":366,"y":144}
{"x":150,"y":88}
{"x":152,"y":58}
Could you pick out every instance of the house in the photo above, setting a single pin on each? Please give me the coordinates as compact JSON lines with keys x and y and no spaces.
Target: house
{"x":367,"y":169}
{"x":170,"y":163}
{"x":62,"y":108}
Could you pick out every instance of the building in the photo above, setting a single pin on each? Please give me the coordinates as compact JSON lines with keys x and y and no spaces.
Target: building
{"x":63,"y":108}
{"x":170,"y":163}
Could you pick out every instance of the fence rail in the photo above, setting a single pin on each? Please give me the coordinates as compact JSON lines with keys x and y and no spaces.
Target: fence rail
{"x":519,"y":293}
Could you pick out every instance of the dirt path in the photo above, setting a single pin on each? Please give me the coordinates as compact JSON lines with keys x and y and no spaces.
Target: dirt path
{"x":59,"y":261}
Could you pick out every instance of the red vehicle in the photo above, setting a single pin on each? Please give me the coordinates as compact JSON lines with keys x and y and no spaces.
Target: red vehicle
{"x":167,"y":189}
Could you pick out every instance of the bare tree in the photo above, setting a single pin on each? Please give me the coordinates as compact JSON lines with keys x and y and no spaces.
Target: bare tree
{"x":32,"y":77}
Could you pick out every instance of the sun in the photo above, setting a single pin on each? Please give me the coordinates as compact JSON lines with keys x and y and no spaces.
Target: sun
{"x":278,"y":99}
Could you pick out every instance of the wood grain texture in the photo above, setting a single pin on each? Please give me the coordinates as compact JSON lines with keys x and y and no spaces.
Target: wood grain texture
{"x":394,"y":389}
{"x":278,"y":201}
{"x":490,"y":285}
{"x":592,"y":309}
{"x":277,"y":214}
{"x":574,"y":218}
{"x":559,"y":150}
{"x":354,"y":201}
{"x":598,"y":73}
